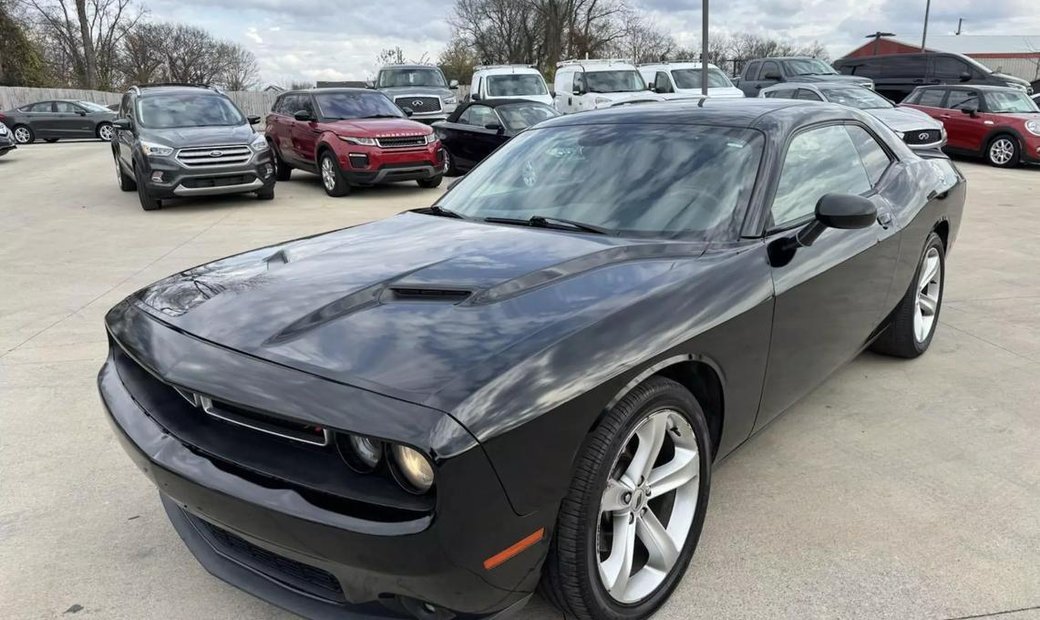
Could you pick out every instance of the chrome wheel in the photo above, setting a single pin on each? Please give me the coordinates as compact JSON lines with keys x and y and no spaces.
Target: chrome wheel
{"x":1001,"y":151}
{"x":648,"y":506}
{"x":22,"y":135}
{"x":105,"y":132}
{"x":929,"y":291}
{"x":328,"y":173}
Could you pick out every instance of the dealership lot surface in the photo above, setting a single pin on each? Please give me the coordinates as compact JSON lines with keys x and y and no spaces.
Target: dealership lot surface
{"x":896,"y":490}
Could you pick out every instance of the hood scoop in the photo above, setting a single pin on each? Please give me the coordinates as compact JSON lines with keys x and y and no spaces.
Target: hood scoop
{"x":427,"y":293}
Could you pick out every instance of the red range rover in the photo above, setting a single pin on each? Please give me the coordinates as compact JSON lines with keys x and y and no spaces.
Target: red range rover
{"x":351,"y":137}
{"x":998,"y":123}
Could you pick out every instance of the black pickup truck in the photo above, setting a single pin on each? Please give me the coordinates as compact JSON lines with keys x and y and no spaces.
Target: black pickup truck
{"x":763,"y":72}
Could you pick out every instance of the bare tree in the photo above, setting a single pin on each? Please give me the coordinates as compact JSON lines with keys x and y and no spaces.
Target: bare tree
{"x":240,"y":71}
{"x":457,"y":61}
{"x":643,"y":41}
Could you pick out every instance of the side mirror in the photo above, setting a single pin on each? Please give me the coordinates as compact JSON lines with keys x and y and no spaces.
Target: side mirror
{"x":578,"y":91}
{"x":407,"y":111}
{"x":474,"y":96}
{"x":453,"y":84}
{"x":303,"y":115}
{"x":370,"y":84}
{"x":970,"y":110}
{"x":965,"y":76}
{"x":494,"y":126}
{"x":841,"y":211}
{"x":253,"y":120}
{"x":123,"y":124}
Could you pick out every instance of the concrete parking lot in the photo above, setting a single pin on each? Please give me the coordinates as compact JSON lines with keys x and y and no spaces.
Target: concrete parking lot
{"x":896,"y":490}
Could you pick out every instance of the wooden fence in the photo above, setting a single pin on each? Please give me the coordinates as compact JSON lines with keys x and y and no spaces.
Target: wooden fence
{"x":251,"y":102}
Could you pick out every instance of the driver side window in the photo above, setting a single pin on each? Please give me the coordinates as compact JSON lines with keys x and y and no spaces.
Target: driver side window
{"x":661,"y":83}
{"x":578,"y":83}
{"x":819,"y":161}
{"x":960,"y":99}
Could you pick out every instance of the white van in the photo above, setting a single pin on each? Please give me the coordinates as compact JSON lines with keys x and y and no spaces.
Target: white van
{"x":682,"y":80}
{"x":508,"y":82}
{"x":592,"y":84}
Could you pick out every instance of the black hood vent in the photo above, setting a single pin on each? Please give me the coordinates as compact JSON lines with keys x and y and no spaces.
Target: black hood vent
{"x":410,"y":293}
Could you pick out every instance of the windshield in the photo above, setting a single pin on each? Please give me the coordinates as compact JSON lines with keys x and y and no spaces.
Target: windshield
{"x":356,"y":105}
{"x":691,"y":78}
{"x":93,"y":107}
{"x":403,"y":78}
{"x":809,"y":66}
{"x":515,"y":84}
{"x":187,"y":110}
{"x":520,"y":116}
{"x":684,"y":181}
{"x":856,"y":97}
{"x":1009,"y":103}
{"x":621,"y":81}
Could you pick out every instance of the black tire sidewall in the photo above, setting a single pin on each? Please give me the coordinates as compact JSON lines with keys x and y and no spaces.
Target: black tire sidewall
{"x":673,"y":397}
{"x":147,"y":202}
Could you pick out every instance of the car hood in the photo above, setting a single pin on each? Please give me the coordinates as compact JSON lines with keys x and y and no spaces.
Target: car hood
{"x":905,"y":119}
{"x":1012,"y":79}
{"x":377,"y":127}
{"x":406,"y":305}
{"x":181,"y":137}
{"x":398,"y":91}
{"x":722,"y":92}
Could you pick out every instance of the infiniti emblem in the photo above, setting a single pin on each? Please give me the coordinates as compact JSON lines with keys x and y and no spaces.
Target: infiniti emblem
{"x":417,"y":103}
{"x":923,"y":135}
{"x":216,"y":153}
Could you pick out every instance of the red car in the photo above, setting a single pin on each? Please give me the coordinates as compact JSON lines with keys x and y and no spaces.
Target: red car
{"x":351,"y":137}
{"x":996,"y":122}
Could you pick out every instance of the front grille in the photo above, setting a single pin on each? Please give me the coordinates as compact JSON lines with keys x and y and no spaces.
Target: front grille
{"x":297,"y":575}
{"x":405,"y":142}
{"x":420,"y":105}
{"x":227,"y":155}
{"x":238,"y":179}
{"x":923,"y":136}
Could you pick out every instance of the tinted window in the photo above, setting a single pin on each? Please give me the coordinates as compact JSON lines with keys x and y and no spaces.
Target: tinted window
{"x":686,"y":180}
{"x":871,"y":68}
{"x":279,"y":105}
{"x":959,"y":99}
{"x":519,"y":116}
{"x":43,"y":106}
{"x":187,"y":110}
{"x":691,"y":78}
{"x":361,"y":104}
{"x":807,"y":95}
{"x":661,"y":83}
{"x":619,"y":81}
{"x":783,"y":93}
{"x":751,"y":73}
{"x":517,"y":84}
{"x":819,"y":161}
{"x":875,"y":159}
{"x":66,"y":108}
{"x":769,"y":67}
{"x":932,"y":97}
{"x":403,"y":78}
{"x":1007,"y":101}
{"x":949,"y":67}
{"x":905,"y":66}
{"x":478,"y":115}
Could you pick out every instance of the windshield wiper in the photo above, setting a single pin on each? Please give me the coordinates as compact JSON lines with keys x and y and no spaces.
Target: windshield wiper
{"x":439,"y":211}
{"x":548,"y":221}
{"x":381,"y":116}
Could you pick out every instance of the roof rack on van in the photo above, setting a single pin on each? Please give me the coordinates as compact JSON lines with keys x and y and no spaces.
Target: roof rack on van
{"x":670,"y":62}
{"x":513,"y":66}
{"x":137,"y":87}
{"x":592,"y":61}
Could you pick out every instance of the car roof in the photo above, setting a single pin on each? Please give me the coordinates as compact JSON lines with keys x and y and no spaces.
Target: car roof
{"x":752,"y":112}
{"x":333,"y":89}
{"x":144,"y":91}
{"x":407,"y":65}
{"x":985,"y":87}
{"x":790,"y":58}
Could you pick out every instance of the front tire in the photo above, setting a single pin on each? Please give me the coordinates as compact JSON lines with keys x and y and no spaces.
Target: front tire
{"x":1003,"y":151}
{"x":282,"y":170}
{"x":631,"y":520}
{"x":126,"y":182}
{"x":331,"y":176}
{"x":431,"y":182}
{"x":148,"y":203}
{"x":23,"y":134}
{"x":913,"y":323}
{"x":451,"y":170}
{"x":105,"y":132}
{"x":266,"y":193}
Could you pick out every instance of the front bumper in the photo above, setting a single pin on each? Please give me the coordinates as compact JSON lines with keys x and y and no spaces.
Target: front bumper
{"x":370,"y":165}
{"x":276,"y":543}
{"x":180,"y":181}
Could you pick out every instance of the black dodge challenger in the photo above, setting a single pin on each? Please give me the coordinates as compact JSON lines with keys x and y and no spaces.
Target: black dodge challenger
{"x":525,"y":385}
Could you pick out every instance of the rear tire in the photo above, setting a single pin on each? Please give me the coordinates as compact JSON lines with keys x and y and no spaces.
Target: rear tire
{"x":105,"y":132}
{"x":603,"y":504}
{"x":148,"y":203}
{"x":451,"y":170}
{"x":431,"y":182}
{"x":913,"y":323}
{"x":282,"y":170}
{"x":1003,"y":151}
{"x":23,"y":134}
{"x":331,"y":176}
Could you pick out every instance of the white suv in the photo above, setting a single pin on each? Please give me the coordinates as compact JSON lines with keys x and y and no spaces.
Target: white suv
{"x":682,"y":80}
{"x":492,"y":82}
{"x":592,"y":84}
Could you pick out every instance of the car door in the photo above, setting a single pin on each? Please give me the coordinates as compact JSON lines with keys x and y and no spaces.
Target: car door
{"x":452,"y":135}
{"x":41,"y":119}
{"x":305,"y":133}
{"x":768,"y":75}
{"x":749,"y":78}
{"x":903,"y":73}
{"x":964,"y":131}
{"x":830,"y":296}
{"x":465,"y":136}
{"x":485,"y":140}
{"x":70,"y":120}
{"x":279,"y":127}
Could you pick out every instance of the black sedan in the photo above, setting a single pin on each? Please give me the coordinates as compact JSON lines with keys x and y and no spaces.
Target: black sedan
{"x":476,"y":129}
{"x":528,"y":383}
{"x":61,"y":118}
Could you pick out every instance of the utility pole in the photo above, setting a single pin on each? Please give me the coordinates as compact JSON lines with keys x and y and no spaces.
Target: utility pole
{"x":877,"y":38}
{"x":704,"y":48}
{"x":960,"y":22}
{"x":924,"y":36}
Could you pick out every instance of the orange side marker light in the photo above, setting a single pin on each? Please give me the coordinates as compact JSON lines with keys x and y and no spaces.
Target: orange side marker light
{"x":506,"y":554}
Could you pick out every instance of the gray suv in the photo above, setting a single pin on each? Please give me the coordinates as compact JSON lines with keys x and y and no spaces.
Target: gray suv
{"x":185,"y":140}
{"x":420,"y":90}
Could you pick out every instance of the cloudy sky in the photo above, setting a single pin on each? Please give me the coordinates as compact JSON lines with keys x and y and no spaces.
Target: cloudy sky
{"x":329,"y":39}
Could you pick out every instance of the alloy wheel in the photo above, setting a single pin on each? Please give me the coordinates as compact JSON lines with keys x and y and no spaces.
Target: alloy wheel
{"x":929,"y":289}
{"x":105,"y":133}
{"x":328,"y":174}
{"x":648,"y":506}
{"x":22,"y":135}
{"x":1001,"y":151}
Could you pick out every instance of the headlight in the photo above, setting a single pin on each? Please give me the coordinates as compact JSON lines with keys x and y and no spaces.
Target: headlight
{"x":366,"y":452}
{"x":451,"y":99}
{"x":601,"y":100}
{"x":359,"y":141}
{"x":151,"y":149}
{"x":415,"y":471}
{"x":1033,"y":127}
{"x":432,"y":137}
{"x":259,"y":143}
{"x":3,"y":129}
